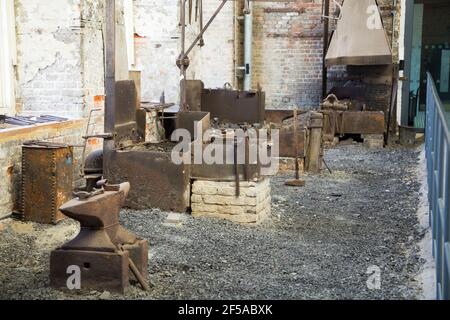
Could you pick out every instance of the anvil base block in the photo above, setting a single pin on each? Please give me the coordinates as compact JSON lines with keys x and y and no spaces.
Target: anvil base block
{"x":98,"y":270}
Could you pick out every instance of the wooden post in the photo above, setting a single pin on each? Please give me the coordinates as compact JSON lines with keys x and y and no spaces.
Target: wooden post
{"x":314,"y":156}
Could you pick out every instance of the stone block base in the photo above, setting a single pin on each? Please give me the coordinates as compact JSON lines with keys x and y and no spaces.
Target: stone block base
{"x":373,"y":141}
{"x":217,"y":199}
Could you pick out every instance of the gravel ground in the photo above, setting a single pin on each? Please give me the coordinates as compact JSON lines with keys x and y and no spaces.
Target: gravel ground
{"x":318,"y":243}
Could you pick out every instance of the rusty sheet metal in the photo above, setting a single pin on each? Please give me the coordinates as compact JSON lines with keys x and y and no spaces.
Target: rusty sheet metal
{"x":155,"y":181}
{"x":225,"y":172}
{"x":363,"y":122}
{"x":287,"y":138}
{"x":352,"y":122}
{"x":47,"y":180}
{"x":194,"y":89}
{"x":234,"y":106}
{"x":125,"y":127}
{"x":287,"y":143}
{"x":245,"y":170}
{"x":186,"y":120}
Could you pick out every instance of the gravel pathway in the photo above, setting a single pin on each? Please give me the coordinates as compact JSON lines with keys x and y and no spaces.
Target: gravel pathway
{"x":318,"y":243}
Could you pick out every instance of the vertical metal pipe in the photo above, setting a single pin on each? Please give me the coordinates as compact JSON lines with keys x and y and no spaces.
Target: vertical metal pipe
{"x":182,"y":56}
{"x":110,"y":79}
{"x":248,"y":46}
{"x":408,"y":36}
{"x":326,"y":20}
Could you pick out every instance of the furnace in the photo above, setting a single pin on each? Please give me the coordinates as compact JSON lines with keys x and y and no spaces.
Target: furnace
{"x":363,"y":103}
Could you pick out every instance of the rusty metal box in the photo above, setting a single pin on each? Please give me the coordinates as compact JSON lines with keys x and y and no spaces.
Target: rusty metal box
{"x":47,"y":180}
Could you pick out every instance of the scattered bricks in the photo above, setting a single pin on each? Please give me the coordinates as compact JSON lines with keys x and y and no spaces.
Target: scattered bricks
{"x":251,"y":206}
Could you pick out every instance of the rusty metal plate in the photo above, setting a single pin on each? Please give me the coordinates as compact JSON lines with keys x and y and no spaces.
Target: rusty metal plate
{"x":126,"y":103}
{"x":194,"y":90}
{"x":234,"y":106}
{"x":186,"y":120}
{"x":363,"y":122}
{"x":225,"y":172}
{"x":47,"y":181}
{"x":287,"y":138}
{"x":125,"y":126}
{"x":287,"y":144}
{"x":155,"y":181}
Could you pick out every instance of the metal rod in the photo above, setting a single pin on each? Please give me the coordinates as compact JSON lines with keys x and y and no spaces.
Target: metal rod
{"x":183,"y":106}
{"x":325,"y":47}
{"x":297,"y":169}
{"x":196,"y":10}
{"x":190,"y":11}
{"x":201,"y":41}
{"x":200,"y":35}
{"x":236,"y":168}
{"x":138,"y":275}
{"x":248,"y":48}
{"x":110,"y":79}
{"x":326,"y":165}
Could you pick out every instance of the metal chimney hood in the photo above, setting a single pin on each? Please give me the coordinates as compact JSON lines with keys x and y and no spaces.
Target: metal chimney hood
{"x":358,"y":39}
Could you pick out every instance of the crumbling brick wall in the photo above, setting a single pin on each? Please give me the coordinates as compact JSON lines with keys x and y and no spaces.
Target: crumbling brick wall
{"x":157,"y":45}
{"x":59,"y":72}
{"x":49,"y":60}
{"x":60,"y":56}
{"x":287,"y":50}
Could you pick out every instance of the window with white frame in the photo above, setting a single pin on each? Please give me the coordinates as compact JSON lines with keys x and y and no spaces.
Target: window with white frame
{"x":7,"y":56}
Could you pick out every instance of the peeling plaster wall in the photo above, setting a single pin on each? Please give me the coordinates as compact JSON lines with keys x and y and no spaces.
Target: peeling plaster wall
{"x":92,"y":50}
{"x":214,"y":62}
{"x":92,"y":56}
{"x":49,"y":58}
{"x":156,"y":48}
